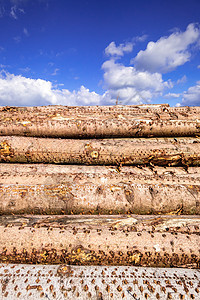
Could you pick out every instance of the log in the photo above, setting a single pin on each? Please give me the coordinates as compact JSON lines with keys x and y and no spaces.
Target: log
{"x":73,"y":189}
{"x":100,"y":122}
{"x":154,"y":151}
{"x":164,"y":241}
{"x":61,"y":282}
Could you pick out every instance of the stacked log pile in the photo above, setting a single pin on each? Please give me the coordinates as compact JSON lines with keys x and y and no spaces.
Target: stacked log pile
{"x":112,"y":186}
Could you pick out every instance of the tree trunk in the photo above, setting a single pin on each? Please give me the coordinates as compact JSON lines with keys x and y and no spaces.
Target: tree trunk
{"x":100,"y":122}
{"x":61,"y":282}
{"x":59,"y":189}
{"x":163,"y":151}
{"x":163,"y":241}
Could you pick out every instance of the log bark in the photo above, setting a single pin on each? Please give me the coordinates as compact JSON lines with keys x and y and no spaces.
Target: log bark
{"x":162,"y":151}
{"x":100,"y":122}
{"x":164,"y":241}
{"x":59,"y":189}
{"x":61,"y":282}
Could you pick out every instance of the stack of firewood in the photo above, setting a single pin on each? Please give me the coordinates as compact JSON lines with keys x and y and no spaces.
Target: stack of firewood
{"x":112,"y":186}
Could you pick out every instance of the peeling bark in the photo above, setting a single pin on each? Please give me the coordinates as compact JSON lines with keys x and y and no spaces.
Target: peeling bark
{"x":100,"y":122}
{"x":59,"y":189}
{"x":162,"y":151}
{"x":163,"y":241}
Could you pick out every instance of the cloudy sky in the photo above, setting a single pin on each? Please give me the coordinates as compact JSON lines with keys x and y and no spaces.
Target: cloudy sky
{"x":99,"y":52}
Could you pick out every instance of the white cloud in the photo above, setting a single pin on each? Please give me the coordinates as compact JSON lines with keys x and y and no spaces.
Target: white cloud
{"x":25,"y":70}
{"x":198,"y":67}
{"x":182,"y":79}
{"x":192,"y":95}
{"x":168,"y":52}
{"x":113,"y":50}
{"x":13,"y":12}
{"x":171,"y":95}
{"x":59,"y":53}
{"x":83,"y":97}
{"x":17,"y":39}
{"x":51,"y":63}
{"x":19,"y":91}
{"x":131,"y":86}
{"x":26,"y":32}
{"x":141,"y":38}
{"x":178,"y":105}
{"x":2,"y":11}
{"x":143,"y":81}
{"x":118,"y":51}
{"x":127,"y":84}
{"x":13,"y":8}
{"x":55,"y":72}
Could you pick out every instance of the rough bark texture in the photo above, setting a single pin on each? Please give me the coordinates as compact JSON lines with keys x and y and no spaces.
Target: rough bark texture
{"x":163,"y":241}
{"x":61,"y":282}
{"x":107,"y":121}
{"x":162,"y":151}
{"x":60,"y":189}
{"x":165,"y":179}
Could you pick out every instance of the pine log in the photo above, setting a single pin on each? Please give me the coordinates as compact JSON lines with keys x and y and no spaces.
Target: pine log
{"x":164,"y":241}
{"x":63,"y":282}
{"x":100,"y":122}
{"x":72,"y":189}
{"x":154,"y":151}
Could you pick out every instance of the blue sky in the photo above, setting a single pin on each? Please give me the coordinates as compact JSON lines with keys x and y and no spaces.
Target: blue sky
{"x":77,"y":52}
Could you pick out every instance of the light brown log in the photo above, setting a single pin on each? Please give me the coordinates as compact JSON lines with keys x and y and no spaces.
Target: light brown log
{"x":160,"y":151}
{"x":31,"y":282}
{"x":58,"y":189}
{"x":163,"y":241}
{"x":100,"y":122}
